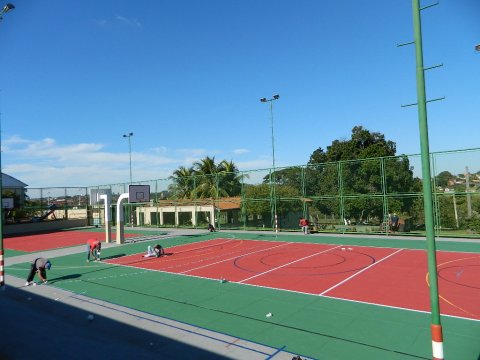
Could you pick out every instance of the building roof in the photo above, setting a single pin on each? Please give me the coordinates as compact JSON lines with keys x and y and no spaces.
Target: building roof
{"x":221,"y":203}
{"x":10,"y":182}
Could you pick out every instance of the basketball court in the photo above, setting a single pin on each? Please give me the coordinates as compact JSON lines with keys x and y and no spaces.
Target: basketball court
{"x":382,"y":276}
{"x":320,"y":297}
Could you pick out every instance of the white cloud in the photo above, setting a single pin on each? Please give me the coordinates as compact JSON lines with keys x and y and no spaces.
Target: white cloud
{"x":130,"y":22}
{"x":240,"y":151}
{"x":46,"y":163}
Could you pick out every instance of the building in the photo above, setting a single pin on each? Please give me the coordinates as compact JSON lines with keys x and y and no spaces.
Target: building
{"x":190,"y":213}
{"x":13,"y":192}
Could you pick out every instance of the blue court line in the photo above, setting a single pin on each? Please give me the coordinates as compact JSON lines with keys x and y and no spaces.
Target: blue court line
{"x":182,"y":329}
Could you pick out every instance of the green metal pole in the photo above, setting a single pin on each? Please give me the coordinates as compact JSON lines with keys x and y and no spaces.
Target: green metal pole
{"x":274,"y":180}
{"x":384,"y":193}
{"x":2,"y":274}
{"x":303,"y":170}
{"x":340,"y":193}
{"x":4,"y":10}
{"x":436,"y":328}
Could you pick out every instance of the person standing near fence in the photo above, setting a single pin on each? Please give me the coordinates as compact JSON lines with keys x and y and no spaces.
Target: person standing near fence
{"x":93,"y":248}
{"x":38,"y":266}
{"x":303,"y":223}
{"x":394,"y":222}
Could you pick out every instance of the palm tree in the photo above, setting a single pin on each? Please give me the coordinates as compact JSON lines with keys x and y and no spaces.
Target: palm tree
{"x":207,"y":186}
{"x":207,"y":179}
{"x":230,"y":179}
{"x":183,"y":182}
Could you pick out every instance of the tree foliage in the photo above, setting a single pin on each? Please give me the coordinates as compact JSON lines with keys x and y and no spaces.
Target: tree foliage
{"x":206,"y":179}
{"x":363,"y":165}
{"x":183,"y":183}
{"x":444,"y":178}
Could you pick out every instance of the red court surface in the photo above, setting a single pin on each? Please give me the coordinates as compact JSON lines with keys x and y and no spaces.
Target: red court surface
{"x":381,"y":276}
{"x":54,"y":240}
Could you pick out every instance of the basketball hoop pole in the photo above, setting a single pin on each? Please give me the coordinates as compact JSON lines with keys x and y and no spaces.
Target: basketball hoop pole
{"x":108,"y":225}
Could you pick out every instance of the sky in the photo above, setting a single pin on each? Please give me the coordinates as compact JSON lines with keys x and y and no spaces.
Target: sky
{"x":186,"y":76}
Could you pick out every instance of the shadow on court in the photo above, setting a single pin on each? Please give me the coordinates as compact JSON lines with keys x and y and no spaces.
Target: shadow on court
{"x":113,"y":256}
{"x":36,"y":325}
{"x":66,"y":277}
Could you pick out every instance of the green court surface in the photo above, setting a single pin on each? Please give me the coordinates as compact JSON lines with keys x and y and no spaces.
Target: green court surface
{"x":313,"y":326}
{"x":10,"y":253}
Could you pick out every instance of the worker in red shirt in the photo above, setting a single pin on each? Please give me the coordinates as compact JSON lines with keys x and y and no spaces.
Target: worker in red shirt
{"x":93,"y":248}
{"x":303,"y":223}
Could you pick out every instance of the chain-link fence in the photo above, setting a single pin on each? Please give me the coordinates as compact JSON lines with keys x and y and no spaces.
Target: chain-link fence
{"x":377,"y":195}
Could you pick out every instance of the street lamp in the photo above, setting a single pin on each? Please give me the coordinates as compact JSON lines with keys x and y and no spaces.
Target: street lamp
{"x":272,"y":177}
{"x":5,"y":9}
{"x":129,"y":135}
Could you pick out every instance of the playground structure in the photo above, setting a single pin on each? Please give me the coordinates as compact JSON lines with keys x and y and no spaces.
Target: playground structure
{"x":49,"y":212}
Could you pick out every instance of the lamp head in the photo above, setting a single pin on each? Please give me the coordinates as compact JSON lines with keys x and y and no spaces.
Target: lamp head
{"x":263,"y":99}
{"x":8,"y":7}
{"x":477,"y":47}
{"x":276,"y":96}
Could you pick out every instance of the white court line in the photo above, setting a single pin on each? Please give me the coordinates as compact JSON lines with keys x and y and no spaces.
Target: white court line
{"x":358,"y":273}
{"x":397,"y":307}
{"x":292,"y":262}
{"x":188,"y":250}
{"x":201,"y":247}
{"x":235,"y":257}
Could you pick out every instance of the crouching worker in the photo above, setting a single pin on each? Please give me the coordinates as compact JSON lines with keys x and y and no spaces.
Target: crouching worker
{"x":211,"y":228}
{"x":39,"y":266}
{"x":93,"y":248}
{"x":156,"y":251}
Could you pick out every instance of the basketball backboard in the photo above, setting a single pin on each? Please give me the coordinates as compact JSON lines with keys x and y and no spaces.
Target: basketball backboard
{"x":138,"y":193}
{"x":95,"y":195}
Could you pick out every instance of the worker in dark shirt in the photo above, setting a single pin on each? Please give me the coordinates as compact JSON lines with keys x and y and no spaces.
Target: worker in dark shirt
{"x":38,"y":266}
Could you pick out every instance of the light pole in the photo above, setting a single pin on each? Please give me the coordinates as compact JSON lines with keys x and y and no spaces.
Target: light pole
{"x":5,"y":9}
{"x":129,"y":135}
{"x":272,"y":177}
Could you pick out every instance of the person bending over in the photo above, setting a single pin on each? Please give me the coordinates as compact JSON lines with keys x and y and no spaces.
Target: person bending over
{"x":38,"y":266}
{"x":94,"y":247}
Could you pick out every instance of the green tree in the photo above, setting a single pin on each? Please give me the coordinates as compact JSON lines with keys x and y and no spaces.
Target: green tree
{"x":353,"y":168}
{"x":183,"y":183}
{"x":207,"y":179}
{"x":230,"y":178}
{"x":444,"y":178}
{"x":207,"y":182}
{"x":258,"y":200}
